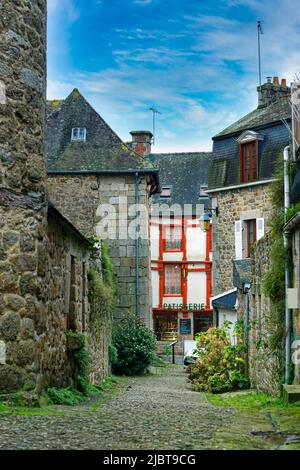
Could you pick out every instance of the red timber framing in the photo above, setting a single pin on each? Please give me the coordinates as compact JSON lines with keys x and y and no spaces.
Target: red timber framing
{"x":200,"y":266}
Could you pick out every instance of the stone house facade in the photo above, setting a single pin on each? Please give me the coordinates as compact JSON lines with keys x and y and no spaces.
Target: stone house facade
{"x":242,"y":170}
{"x":44,"y":259}
{"x":96,"y":181}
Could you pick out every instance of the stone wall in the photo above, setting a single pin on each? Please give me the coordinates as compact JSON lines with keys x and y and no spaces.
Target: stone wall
{"x":22,"y":191}
{"x":78,"y":198}
{"x":265,"y":365}
{"x":65,"y":296}
{"x":296,"y":312}
{"x":234,"y":204}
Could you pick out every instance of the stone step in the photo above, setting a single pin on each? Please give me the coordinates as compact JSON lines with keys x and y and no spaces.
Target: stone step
{"x":291,"y":393}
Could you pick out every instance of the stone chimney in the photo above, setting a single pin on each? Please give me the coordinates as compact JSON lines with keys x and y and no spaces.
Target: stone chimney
{"x":271,"y":91}
{"x":141,"y":142}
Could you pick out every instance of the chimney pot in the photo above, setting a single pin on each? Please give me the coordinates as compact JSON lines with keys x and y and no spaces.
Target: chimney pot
{"x":283,"y":82}
{"x":275,"y":81}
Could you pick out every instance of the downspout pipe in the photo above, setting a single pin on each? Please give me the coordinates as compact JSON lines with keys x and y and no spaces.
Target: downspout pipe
{"x":137,"y":245}
{"x":288,"y":312}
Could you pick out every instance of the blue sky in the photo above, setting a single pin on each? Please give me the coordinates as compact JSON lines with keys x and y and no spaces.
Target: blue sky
{"x":193,"y":60}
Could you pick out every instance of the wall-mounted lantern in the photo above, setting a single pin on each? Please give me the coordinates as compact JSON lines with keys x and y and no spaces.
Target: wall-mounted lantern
{"x":206,"y":217}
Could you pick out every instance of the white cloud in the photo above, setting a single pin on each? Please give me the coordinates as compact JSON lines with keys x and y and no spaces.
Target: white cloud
{"x":142,"y":2}
{"x":65,"y":7}
{"x":201,"y":87}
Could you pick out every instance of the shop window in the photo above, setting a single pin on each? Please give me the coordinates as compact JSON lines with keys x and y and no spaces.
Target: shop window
{"x":166,"y":326}
{"x":173,"y":238}
{"x":172,"y":279}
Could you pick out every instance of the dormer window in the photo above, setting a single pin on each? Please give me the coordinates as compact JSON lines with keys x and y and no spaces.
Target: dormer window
{"x":203,"y":189}
{"x":78,"y":133}
{"x":165,"y":192}
{"x":249,"y":156}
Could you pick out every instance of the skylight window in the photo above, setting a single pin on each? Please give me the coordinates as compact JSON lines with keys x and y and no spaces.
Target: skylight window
{"x":203,"y":192}
{"x":78,"y":133}
{"x":165,"y":192}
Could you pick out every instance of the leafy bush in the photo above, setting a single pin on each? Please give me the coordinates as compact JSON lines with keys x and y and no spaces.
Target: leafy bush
{"x":112,"y":354}
{"x":220,"y":366}
{"x":135,"y":345}
{"x":65,"y":396}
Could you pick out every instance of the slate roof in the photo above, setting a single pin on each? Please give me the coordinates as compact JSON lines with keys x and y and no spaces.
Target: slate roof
{"x":227,"y":301}
{"x":185,"y":173}
{"x":242,"y":272}
{"x":260,"y":117}
{"x":103,"y":150}
{"x":266,"y":120}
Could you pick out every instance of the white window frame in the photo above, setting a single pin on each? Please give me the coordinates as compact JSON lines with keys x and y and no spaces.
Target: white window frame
{"x":76,"y":138}
{"x":165,"y":197}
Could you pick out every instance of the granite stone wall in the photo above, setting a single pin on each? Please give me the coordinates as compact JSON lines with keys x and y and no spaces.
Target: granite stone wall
{"x":234,"y":204}
{"x":37,"y":287}
{"x":22,"y":187}
{"x":265,"y":363}
{"x":296,"y":312}
{"x":65,"y":295}
{"x":79,"y":197}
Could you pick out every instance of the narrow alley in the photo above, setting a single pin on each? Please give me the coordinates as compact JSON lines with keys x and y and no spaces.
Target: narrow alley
{"x":157,"y":411}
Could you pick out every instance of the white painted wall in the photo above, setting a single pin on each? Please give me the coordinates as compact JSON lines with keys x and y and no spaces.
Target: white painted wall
{"x":196,"y":293}
{"x":195,"y":243}
{"x":154,"y":235}
{"x":173,"y":256}
{"x":231,"y":316}
{"x":155,"y":288}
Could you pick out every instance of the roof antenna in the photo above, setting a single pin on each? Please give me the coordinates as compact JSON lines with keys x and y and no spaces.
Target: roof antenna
{"x":154,"y":111}
{"x":259,"y":32}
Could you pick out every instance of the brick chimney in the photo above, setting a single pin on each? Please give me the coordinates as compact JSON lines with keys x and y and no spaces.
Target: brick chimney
{"x":141,"y":142}
{"x":271,"y":91}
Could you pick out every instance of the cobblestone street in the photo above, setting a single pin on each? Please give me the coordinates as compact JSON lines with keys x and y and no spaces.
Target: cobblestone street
{"x":158,"y":411}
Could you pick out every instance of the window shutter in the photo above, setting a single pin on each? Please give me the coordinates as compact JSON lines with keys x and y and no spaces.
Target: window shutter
{"x":260,"y":228}
{"x":238,"y":240}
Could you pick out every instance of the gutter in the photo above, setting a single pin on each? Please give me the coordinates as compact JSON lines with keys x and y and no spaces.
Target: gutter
{"x":146,"y":171}
{"x":292,"y":223}
{"x":240,"y":186}
{"x":137,"y":246}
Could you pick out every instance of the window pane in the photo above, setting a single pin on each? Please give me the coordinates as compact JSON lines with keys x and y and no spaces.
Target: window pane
{"x":173,"y":237}
{"x":173,"y":279}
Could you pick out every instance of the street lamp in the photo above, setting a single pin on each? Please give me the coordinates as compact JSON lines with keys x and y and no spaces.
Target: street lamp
{"x":204,"y":222}
{"x":206,"y":217}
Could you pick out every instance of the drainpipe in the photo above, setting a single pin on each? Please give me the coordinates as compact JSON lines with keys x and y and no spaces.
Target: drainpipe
{"x":288,"y":312}
{"x":137,"y":246}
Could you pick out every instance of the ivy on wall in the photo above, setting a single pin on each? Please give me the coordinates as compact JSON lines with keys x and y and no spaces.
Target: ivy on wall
{"x":273,"y":282}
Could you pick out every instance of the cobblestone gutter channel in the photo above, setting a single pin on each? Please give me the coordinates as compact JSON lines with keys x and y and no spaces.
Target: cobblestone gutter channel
{"x":159,"y":411}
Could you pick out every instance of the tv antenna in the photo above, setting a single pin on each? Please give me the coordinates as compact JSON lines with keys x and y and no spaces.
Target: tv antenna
{"x":154,"y":112}
{"x":259,"y":33}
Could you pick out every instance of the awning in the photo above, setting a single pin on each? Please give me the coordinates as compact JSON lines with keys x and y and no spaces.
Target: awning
{"x":227,"y":300}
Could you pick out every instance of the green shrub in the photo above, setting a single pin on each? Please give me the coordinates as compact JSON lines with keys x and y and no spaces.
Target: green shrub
{"x":112,"y":354}
{"x":64,"y":396}
{"x":220,"y":366}
{"x":81,"y":359}
{"x":135,"y":344}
